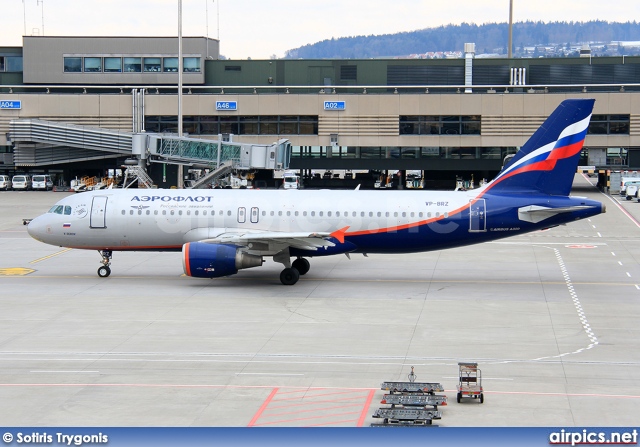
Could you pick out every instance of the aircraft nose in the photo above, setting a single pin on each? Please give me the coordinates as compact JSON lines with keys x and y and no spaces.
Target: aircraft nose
{"x":37,"y":228}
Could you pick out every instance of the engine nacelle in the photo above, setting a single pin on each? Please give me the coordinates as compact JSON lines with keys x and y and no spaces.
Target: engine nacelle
{"x":202,"y":260}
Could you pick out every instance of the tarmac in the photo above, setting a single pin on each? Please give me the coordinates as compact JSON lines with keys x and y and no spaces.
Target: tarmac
{"x":550,"y":317}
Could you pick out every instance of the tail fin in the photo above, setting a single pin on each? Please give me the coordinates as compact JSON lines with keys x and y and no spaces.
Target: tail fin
{"x":549,"y":159}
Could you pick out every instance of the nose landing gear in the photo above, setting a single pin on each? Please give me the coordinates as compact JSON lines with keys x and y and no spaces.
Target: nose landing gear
{"x":105,"y":270}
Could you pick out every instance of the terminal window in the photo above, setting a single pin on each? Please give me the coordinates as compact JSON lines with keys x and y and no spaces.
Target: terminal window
{"x":152,"y":64}
{"x":112,"y":64}
{"x":72,"y":64}
{"x":92,"y":64}
{"x":440,"y":125}
{"x":133,"y":64}
{"x":609,"y":125}
{"x":170,"y":64}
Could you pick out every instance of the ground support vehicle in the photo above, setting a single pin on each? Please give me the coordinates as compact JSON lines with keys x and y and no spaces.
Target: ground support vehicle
{"x":407,"y":416}
{"x":409,"y":403}
{"x":470,"y":383}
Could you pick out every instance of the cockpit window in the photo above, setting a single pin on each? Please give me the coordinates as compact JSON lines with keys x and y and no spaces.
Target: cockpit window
{"x":67,"y":210}
{"x":58,"y":209}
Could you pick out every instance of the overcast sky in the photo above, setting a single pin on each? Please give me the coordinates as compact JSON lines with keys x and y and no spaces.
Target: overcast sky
{"x":258,"y":29}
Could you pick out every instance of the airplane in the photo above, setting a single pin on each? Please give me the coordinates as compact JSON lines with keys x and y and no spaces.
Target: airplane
{"x":222,"y":231}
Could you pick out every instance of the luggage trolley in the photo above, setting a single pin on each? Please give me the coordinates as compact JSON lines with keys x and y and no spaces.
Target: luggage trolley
{"x":470,"y":384}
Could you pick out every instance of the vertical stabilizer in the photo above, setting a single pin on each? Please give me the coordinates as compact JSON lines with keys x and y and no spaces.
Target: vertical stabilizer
{"x":548,"y":161}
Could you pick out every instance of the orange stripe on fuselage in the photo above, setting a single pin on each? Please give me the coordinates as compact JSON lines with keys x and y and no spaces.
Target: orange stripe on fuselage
{"x":411,"y":225}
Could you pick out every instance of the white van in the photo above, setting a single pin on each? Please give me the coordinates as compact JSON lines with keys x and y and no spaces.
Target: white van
{"x":631,"y":190}
{"x":624,"y":181}
{"x":290,"y":180}
{"x":5,"y":182}
{"x":21,"y":182}
{"x":42,"y":182}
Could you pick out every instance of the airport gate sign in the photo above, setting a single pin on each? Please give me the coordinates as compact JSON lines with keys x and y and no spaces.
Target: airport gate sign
{"x":335,"y":105}
{"x":11,"y":105}
{"x":227,"y":105}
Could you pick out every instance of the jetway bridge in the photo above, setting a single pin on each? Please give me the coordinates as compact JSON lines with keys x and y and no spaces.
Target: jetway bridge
{"x":44,"y":143}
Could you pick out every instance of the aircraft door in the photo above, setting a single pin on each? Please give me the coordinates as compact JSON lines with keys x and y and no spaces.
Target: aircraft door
{"x":242,"y":215}
{"x":477,"y":215}
{"x":98,"y":212}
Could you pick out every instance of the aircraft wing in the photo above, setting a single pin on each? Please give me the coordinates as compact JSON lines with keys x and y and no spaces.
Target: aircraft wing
{"x":273,"y":240}
{"x":270,"y":242}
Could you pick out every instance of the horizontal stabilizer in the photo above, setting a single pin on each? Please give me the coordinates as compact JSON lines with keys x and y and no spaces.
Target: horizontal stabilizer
{"x":535,"y":213}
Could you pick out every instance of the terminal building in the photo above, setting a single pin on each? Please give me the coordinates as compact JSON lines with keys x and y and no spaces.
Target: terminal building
{"x":69,"y":106}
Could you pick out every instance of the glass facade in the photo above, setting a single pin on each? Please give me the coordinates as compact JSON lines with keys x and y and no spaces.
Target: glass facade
{"x":234,"y":124}
{"x":609,"y":125}
{"x":440,"y":125}
{"x":116,"y":64}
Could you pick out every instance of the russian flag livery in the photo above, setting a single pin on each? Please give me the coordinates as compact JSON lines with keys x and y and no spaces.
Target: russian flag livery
{"x":219,"y":236}
{"x":549,"y":159}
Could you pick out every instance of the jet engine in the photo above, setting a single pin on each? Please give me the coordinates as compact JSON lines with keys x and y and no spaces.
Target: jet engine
{"x":203,"y":260}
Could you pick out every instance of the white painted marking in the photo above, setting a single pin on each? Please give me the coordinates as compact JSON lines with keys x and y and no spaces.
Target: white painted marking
{"x":629,"y":274}
{"x":64,"y":372}
{"x":613,"y":253}
{"x":266,"y":374}
{"x":620,"y":262}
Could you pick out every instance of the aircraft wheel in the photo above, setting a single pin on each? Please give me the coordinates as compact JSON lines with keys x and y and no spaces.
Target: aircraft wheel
{"x":301,"y":265}
{"x":289,"y":276}
{"x":104,"y":271}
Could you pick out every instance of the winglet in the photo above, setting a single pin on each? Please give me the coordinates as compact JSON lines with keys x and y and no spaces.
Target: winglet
{"x":339,"y":234}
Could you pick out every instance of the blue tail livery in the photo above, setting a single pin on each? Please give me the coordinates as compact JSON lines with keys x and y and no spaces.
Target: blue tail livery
{"x":222,"y":231}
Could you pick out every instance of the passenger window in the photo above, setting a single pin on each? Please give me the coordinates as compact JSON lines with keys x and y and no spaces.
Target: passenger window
{"x":296,"y":213}
{"x":337,"y":214}
{"x":123,"y":212}
{"x":272,"y":213}
{"x":320,"y":214}
{"x":395,"y":214}
{"x":329,"y":213}
{"x":155,"y":212}
{"x":229,"y":213}
{"x":180,"y":212}
{"x":130,"y":212}
{"x":164,"y":212}
{"x":379,"y":214}
{"x":421,"y":214}
{"x":172,"y":212}
{"x":204,"y":213}
{"x":279,"y":213}
{"x":139,"y":212}
{"x":148,"y":212}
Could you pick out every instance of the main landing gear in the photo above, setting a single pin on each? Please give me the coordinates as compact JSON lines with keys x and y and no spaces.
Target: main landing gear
{"x":290,"y":275}
{"x":105,"y":270}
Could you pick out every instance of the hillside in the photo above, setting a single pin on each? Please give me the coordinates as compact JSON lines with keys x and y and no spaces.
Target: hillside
{"x":489,"y":38}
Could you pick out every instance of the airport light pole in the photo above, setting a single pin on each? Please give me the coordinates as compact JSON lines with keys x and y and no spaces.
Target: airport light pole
{"x":180,"y":69}
{"x":509,"y":51}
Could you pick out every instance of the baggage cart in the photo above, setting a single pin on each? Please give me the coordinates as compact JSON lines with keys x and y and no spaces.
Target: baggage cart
{"x":470,"y":384}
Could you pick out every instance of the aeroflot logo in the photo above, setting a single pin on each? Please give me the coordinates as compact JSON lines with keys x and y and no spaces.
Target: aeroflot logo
{"x":172,"y":199}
